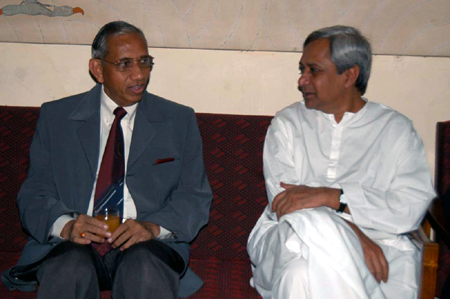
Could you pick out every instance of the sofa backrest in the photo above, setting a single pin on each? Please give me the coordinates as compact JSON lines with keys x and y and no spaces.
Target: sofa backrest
{"x":442,"y":170}
{"x":17,"y":126}
{"x":232,"y":147}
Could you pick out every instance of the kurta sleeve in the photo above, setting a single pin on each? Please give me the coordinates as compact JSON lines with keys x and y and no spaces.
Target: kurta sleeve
{"x":278,"y":167}
{"x":277,"y":158}
{"x":400,"y":207}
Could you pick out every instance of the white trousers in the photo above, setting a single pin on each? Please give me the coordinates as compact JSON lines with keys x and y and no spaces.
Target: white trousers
{"x":314,"y":254}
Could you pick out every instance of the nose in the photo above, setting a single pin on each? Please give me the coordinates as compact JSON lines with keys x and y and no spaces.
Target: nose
{"x":137,"y":72}
{"x":304,"y":79}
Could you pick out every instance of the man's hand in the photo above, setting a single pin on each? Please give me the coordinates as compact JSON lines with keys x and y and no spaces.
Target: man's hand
{"x":303,"y":197}
{"x":93,"y":230}
{"x":131,"y":232}
{"x":373,"y":255}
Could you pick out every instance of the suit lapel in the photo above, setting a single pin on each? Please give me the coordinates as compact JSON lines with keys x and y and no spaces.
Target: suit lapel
{"x":147,"y":113}
{"x":88,"y":114}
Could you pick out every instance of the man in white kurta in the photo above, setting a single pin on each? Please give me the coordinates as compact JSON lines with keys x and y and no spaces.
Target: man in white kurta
{"x":332,"y":149}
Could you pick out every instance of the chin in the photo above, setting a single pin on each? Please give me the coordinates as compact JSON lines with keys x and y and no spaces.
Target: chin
{"x":309,"y":104}
{"x":131,"y":103}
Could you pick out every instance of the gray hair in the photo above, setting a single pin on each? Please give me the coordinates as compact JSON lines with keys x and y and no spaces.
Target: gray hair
{"x":348,"y":47}
{"x":99,"y":45}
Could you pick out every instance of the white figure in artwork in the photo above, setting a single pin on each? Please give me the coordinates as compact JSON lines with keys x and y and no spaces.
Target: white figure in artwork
{"x":34,"y":7}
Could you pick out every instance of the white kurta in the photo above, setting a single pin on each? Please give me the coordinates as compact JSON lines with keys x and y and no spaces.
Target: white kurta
{"x":377,"y":158}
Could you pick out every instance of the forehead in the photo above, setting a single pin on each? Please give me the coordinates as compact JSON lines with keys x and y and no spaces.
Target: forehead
{"x":317,"y":52}
{"x":129,"y":45}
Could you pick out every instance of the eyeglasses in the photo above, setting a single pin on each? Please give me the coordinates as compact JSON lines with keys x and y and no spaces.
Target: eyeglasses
{"x":126,"y":64}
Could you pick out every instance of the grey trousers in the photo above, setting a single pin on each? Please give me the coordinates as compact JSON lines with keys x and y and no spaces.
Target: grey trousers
{"x":148,"y":269}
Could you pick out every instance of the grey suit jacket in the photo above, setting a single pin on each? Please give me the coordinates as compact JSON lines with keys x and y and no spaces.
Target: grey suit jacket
{"x":63,"y":163}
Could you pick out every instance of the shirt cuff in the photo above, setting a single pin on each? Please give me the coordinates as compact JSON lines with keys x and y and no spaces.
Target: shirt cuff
{"x":356,"y":202}
{"x":164,"y":234}
{"x":59,"y":224}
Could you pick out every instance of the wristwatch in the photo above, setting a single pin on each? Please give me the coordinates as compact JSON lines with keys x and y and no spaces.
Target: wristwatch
{"x":342,"y":202}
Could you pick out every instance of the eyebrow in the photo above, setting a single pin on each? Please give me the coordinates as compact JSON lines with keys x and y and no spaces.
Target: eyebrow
{"x":143,"y":56}
{"x":308,"y":65}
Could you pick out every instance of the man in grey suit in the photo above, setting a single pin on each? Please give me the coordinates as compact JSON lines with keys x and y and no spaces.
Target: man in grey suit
{"x":166,"y":195}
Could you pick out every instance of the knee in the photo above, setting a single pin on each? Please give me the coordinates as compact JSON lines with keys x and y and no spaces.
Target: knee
{"x":137,"y":256}
{"x":140,"y":271}
{"x":293,"y":280}
{"x":85,"y":262}
{"x":295,"y":272}
{"x":79,"y":254}
{"x":68,"y":256}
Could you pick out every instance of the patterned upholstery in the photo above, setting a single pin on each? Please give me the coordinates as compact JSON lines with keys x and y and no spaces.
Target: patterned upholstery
{"x":442,"y":183}
{"x":17,"y":127}
{"x":232,"y":147}
{"x":16,"y":131}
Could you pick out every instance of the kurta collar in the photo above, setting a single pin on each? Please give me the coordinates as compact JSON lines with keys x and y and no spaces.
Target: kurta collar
{"x":348,"y":116}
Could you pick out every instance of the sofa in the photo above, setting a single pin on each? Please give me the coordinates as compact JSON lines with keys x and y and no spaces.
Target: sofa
{"x":232,"y":147}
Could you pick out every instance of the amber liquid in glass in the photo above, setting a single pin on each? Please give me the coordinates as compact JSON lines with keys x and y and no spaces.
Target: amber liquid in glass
{"x":113,"y":221}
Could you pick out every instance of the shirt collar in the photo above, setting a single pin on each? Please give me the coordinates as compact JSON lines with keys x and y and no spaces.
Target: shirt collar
{"x":108,"y":106}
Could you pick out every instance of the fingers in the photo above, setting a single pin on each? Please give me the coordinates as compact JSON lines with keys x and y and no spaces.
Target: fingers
{"x":284,"y":207}
{"x":373,"y":255}
{"x":291,"y":199}
{"x":385,"y":269}
{"x":381,"y":265}
{"x":128,"y":234}
{"x":375,"y":269}
{"x":87,"y":229}
{"x":92,"y":237}
{"x":81,"y":240}
{"x":281,"y":195}
{"x":128,"y":240}
{"x":120,"y":236}
{"x":277,"y":199}
{"x":376,"y":262}
{"x":287,"y":186}
{"x":280,"y":204}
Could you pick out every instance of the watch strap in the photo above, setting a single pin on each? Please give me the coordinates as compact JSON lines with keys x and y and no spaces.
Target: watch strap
{"x":342,"y":205}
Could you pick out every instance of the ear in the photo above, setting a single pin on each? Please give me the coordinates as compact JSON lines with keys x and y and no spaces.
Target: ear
{"x":96,"y":69}
{"x":351,"y":75}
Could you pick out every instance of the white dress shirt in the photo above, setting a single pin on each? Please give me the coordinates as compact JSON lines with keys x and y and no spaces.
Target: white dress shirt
{"x":127,"y":123}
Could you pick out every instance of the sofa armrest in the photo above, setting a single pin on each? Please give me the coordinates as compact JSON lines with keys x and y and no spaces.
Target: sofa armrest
{"x":429,"y":263}
{"x":435,"y":215}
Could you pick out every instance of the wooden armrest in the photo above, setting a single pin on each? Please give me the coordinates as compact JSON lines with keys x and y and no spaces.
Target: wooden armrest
{"x":419,"y":238}
{"x":436,"y":217}
{"x":430,"y":249}
{"x":429,"y":264}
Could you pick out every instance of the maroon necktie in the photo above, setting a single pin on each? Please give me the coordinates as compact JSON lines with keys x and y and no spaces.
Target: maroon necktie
{"x":110,"y":180}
